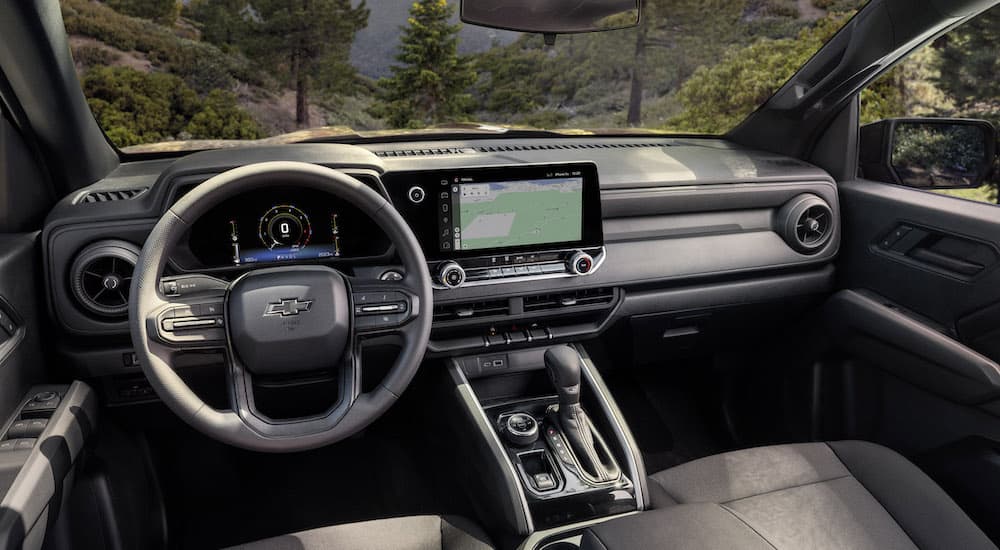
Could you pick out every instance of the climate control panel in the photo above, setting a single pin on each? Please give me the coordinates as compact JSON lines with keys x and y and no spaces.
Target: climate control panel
{"x":516,"y":267}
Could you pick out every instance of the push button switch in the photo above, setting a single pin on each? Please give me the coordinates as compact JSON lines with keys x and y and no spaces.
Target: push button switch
{"x":32,"y":427}
{"x":543,"y":482}
{"x":47,"y":404}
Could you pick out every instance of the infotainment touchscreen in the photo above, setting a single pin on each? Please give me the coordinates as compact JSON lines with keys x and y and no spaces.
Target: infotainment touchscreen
{"x":498,"y":211}
{"x":500,"y":214}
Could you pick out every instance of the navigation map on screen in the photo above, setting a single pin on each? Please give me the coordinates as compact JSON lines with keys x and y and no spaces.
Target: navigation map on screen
{"x":518,"y":213}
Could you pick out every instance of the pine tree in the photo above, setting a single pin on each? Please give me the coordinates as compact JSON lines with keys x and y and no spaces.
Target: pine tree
{"x":431,"y":83}
{"x":300,"y":38}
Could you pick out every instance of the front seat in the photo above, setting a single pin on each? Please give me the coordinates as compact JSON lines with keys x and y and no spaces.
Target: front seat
{"x":403,"y":533}
{"x":817,"y":496}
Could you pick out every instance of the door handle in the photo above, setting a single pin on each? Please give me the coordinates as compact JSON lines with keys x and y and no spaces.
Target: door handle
{"x":943,"y":261}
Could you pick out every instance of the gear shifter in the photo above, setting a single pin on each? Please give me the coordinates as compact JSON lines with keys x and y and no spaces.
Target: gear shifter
{"x":563,"y":364}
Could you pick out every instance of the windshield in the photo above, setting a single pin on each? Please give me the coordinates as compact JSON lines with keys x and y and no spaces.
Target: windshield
{"x":164,"y":74}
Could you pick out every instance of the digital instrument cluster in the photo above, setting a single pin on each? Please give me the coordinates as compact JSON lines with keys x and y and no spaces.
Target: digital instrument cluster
{"x":281,"y":225}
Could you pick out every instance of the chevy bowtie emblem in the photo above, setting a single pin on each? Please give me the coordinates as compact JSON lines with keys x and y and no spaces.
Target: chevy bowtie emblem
{"x":287,"y":307}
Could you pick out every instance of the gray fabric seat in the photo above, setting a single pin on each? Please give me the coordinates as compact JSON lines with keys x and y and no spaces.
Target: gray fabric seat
{"x":403,"y":533}
{"x":847,"y":494}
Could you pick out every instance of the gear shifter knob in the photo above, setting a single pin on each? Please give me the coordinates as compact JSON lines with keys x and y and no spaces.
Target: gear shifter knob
{"x":563,"y":365}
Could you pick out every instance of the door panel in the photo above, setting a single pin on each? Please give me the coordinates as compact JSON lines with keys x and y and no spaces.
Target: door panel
{"x":944,"y":268}
{"x":21,"y":362}
{"x":918,"y":324}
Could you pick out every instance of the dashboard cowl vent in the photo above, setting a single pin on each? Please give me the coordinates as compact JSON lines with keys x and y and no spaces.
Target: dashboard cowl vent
{"x":425,"y":152}
{"x":101,"y":275}
{"x":806,"y":223}
{"x":472,"y":310}
{"x":568,"y":146}
{"x":577,"y":298}
{"x":112,"y":195}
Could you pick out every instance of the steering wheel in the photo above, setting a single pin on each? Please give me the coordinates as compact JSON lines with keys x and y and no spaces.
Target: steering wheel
{"x":280,"y":320}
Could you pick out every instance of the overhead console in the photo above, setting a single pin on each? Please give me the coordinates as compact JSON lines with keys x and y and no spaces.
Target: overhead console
{"x":480,"y":226}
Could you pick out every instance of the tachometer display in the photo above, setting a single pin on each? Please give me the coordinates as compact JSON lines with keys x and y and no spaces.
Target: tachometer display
{"x":285,"y":226}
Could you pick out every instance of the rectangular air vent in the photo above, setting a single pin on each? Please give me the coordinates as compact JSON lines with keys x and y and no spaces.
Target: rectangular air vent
{"x":112,"y":195}
{"x":471,"y":310}
{"x":573,"y":298}
{"x":426,"y":152}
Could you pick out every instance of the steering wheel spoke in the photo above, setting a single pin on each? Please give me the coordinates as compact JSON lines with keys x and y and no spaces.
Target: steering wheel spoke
{"x":189,"y":322}
{"x":382,"y":307}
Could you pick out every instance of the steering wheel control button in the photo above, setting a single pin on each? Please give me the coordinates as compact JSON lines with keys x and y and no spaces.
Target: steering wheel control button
{"x":186,"y":285}
{"x":380,"y":321}
{"x":391,"y":275}
{"x":380,"y":308}
{"x":520,"y":429}
{"x":417,"y":194}
{"x":208,"y":309}
{"x":451,"y":275}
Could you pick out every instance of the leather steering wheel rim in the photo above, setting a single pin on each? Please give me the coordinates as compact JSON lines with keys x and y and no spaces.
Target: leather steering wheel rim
{"x":232,"y":427}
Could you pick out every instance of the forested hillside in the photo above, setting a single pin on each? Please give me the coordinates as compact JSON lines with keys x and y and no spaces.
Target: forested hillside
{"x":159,"y":70}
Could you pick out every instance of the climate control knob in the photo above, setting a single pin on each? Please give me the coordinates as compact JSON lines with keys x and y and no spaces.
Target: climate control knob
{"x":451,"y":275}
{"x":580,"y":263}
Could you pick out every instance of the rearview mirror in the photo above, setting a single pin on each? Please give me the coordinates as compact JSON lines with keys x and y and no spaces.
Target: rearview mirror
{"x":552,"y":17}
{"x":930,"y":153}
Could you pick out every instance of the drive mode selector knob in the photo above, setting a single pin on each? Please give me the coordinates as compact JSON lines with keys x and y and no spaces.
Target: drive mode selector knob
{"x":520,"y":429}
{"x":451,"y":275}
{"x":581,"y":263}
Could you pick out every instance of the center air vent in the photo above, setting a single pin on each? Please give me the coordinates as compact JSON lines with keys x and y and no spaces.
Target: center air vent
{"x":583,"y":297}
{"x":472,"y":310}
{"x":806,"y":223}
{"x":101,"y":275}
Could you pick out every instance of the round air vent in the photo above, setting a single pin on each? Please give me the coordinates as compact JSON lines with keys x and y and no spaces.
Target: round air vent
{"x":101,"y":276}
{"x":806,"y":223}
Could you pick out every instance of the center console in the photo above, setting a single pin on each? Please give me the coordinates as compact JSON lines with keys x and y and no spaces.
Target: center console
{"x":554,"y":450}
{"x":480,"y":226}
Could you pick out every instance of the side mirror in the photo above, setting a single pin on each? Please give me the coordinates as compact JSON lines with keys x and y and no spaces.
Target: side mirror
{"x":929,"y":153}
{"x":551,"y":17}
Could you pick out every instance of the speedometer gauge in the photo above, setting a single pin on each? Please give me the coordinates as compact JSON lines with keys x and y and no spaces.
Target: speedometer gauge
{"x":285,"y":226}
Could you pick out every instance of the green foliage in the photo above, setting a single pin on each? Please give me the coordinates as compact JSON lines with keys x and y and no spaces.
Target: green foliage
{"x":89,"y":55}
{"x":839,"y":5}
{"x":968,"y":64}
{"x":222,"y":22}
{"x":167,"y":51}
{"x":930,"y":155}
{"x":718,"y":97}
{"x":219,"y":117}
{"x":779,"y":8}
{"x":135,"y":107}
{"x":161,"y":11}
{"x":429,"y":86}
{"x":302,"y":39}
{"x":984,"y":193}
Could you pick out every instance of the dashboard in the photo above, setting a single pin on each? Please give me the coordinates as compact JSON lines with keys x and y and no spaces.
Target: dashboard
{"x":552,"y":238}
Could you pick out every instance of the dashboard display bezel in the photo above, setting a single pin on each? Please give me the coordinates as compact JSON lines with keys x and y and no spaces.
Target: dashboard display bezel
{"x":424,"y":216}
{"x":203,"y":249}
